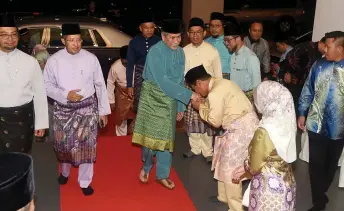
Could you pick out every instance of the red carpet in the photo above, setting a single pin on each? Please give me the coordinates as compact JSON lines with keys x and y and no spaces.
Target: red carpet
{"x":116,"y":183}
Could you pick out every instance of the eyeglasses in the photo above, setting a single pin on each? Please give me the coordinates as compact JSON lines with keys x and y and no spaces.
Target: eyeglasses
{"x":192,"y":33}
{"x":227,"y":40}
{"x":215,"y":26}
{"x":8,"y":36}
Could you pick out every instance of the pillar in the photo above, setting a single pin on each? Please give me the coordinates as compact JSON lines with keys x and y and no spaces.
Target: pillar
{"x":201,"y":9}
{"x":328,"y":17}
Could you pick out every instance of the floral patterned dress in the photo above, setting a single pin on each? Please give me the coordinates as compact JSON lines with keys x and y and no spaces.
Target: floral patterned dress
{"x":273,"y":186}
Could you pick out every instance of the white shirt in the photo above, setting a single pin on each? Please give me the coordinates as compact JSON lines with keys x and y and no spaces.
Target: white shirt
{"x":21,"y":81}
{"x":117,"y":74}
{"x":205,"y":54}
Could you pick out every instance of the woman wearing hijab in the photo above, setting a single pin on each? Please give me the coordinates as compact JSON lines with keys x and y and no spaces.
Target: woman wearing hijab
{"x":271,"y":151}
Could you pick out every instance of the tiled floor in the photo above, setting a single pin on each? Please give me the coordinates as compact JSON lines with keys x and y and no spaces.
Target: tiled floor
{"x":194,"y":173}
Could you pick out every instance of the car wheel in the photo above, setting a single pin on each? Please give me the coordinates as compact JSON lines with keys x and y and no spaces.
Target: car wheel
{"x":285,"y":24}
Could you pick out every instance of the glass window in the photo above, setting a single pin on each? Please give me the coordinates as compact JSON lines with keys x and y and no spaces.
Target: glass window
{"x":86,"y":38}
{"x":31,"y":37}
{"x":56,"y":34}
{"x":55,"y":37}
{"x":100,"y":40}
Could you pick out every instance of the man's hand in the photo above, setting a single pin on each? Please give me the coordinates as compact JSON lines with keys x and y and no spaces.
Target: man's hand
{"x":301,"y":123}
{"x":112,"y":106}
{"x":180,"y":116}
{"x":195,"y":96}
{"x":195,"y":103}
{"x":103,"y":119}
{"x":237,"y":174}
{"x":73,"y":96}
{"x":131,"y":91}
{"x":39,"y":133}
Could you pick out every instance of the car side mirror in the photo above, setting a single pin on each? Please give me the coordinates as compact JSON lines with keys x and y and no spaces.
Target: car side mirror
{"x":23,"y":31}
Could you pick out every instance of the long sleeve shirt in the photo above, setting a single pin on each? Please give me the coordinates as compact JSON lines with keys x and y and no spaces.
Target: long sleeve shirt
{"x":262,"y":50}
{"x":322,"y":99}
{"x":225,"y":103}
{"x":205,"y":54}
{"x":21,"y":81}
{"x":65,"y":72}
{"x":245,"y":69}
{"x":225,"y":55}
{"x":116,"y":74}
{"x":165,"y":67}
{"x":137,"y":52}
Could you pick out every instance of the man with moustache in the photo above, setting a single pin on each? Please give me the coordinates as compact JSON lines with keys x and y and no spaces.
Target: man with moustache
{"x":199,"y":52}
{"x":258,"y":45}
{"x":162,"y":102}
{"x":23,"y":101}
{"x":74,"y":80}
{"x":245,"y":66}
{"x":321,"y":113}
{"x":136,"y":57}
{"x":216,"y":29}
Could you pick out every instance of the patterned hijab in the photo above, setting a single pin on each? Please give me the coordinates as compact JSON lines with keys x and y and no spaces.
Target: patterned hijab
{"x":276,"y":105}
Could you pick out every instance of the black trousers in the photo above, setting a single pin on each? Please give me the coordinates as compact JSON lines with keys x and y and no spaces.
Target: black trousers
{"x":324,"y":154}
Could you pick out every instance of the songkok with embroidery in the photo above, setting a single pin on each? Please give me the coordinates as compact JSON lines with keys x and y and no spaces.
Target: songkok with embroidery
{"x":16,"y":181}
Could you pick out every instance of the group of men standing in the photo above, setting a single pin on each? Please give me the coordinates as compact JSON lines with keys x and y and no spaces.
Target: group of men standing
{"x":73,"y":79}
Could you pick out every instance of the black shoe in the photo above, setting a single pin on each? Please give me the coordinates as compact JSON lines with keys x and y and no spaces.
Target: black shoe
{"x":62,"y":179}
{"x":215,"y":199}
{"x":317,"y":208}
{"x":87,"y":191}
{"x":188,"y":154}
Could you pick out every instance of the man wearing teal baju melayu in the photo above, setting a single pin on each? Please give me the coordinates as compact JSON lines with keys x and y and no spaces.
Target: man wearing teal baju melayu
{"x":162,"y":102}
{"x":216,"y":29}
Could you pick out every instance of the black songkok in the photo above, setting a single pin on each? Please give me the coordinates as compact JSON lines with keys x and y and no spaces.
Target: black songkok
{"x":334,"y":34}
{"x":217,"y":16}
{"x":70,"y":29}
{"x":282,"y":38}
{"x":195,"y":74}
{"x":146,"y":18}
{"x":232,"y":29}
{"x":7,"y":21}
{"x":196,"y":22}
{"x":123,"y":52}
{"x":16,"y":181}
{"x":172,"y":26}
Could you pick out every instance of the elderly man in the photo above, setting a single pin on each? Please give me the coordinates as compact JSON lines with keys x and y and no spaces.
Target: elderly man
{"x":163,"y":96}
{"x":227,"y":106}
{"x":321,"y":101}
{"x":16,"y":182}
{"x":216,"y":27}
{"x":74,"y":79}
{"x":258,"y":45}
{"x":136,"y":57}
{"x":23,"y":101}
{"x":245,"y":66}
{"x":196,"y":53}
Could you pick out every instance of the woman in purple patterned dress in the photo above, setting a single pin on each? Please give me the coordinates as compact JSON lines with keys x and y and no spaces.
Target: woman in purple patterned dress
{"x":271,"y":151}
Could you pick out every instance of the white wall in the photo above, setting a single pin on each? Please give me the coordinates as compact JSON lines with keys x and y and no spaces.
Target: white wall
{"x":329,"y":16}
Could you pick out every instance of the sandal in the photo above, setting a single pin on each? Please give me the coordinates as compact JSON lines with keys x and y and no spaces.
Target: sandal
{"x":143,"y":177}
{"x":167,"y":183}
